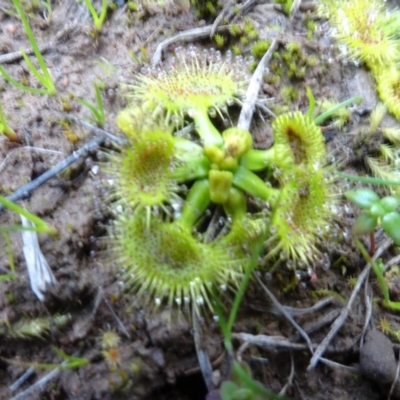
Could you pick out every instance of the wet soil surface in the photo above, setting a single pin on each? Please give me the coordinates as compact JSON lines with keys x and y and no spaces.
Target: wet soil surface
{"x":130,"y":352}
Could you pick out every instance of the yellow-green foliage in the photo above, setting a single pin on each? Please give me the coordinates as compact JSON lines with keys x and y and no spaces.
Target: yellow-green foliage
{"x":366,"y":27}
{"x":205,"y":8}
{"x":260,"y":48}
{"x":370,"y":32}
{"x":287,"y":5}
{"x":219,"y":40}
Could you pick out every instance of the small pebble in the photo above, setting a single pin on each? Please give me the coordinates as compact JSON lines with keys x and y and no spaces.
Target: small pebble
{"x":377,"y":360}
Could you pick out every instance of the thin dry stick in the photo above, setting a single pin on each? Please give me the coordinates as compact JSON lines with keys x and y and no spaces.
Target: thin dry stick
{"x":25,"y":190}
{"x":295,"y":312}
{"x":246,"y":114}
{"x":226,"y":13}
{"x":279,"y":343}
{"x":316,"y":326}
{"x":290,"y":378}
{"x":31,"y":148}
{"x":93,"y":128}
{"x":346,"y":310}
{"x":185,"y":36}
{"x":368,"y":307}
{"x":119,"y":322}
{"x":22,"y":379}
{"x":336,"y":365}
{"x":393,"y":261}
{"x":276,"y":342}
{"x":17,"y":55}
{"x":396,"y":378}
{"x":285,"y":313}
{"x":38,"y":386}
{"x":202,"y":355}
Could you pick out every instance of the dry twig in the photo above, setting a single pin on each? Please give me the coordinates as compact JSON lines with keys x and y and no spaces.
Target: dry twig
{"x":202,"y":355}
{"x":285,"y":314}
{"x":17,"y":55}
{"x":346,"y":310}
{"x":186,"y":36}
{"x":25,"y":190}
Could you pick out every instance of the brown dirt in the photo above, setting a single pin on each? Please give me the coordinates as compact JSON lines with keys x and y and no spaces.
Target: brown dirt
{"x":157,"y":360}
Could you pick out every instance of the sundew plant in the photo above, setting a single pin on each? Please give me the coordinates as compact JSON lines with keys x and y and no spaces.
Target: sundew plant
{"x":170,"y":183}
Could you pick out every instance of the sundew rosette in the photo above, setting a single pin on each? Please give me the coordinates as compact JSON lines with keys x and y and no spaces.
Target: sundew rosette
{"x":197,"y":84}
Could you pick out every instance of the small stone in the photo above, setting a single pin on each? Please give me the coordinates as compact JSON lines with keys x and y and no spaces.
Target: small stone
{"x":377,"y":360}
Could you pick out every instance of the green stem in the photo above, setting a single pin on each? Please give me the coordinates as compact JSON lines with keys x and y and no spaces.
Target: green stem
{"x":196,"y":203}
{"x":19,"y":85}
{"x":322,"y":117}
{"x":386,"y":302}
{"x":205,"y":128}
{"x":191,"y":170}
{"x":368,"y":179}
{"x":254,"y":185}
{"x":257,"y":160}
{"x":4,"y":128}
{"x":45,"y":79}
{"x":311,"y":100}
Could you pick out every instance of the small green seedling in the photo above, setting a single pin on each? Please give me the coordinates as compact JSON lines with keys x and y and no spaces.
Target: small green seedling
{"x":70,"y":362}
{"x":43,"y":77}
{"x":242,"y":385}
{"x":378,"y":267}
{"x":96,"y":109}
{"x":5,"y":129}
{"x":376,"y":211}
{"x":331,"y":112}
{"x":97,"y":19}
{"x":40,"y":226}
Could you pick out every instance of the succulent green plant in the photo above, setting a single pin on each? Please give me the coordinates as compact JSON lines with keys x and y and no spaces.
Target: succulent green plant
{"x":376,"y":211}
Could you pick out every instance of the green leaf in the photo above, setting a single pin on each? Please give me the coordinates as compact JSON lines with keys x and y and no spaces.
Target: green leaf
{"x":390,"y":203}
{"x":391,"y":225}
{"x":364,"y":223}
{"x":243,"y":394}
{"x":228,"y":390}
{"x":377,"y":210}
{"x":322,"y":117}
{"x":363,"y":198}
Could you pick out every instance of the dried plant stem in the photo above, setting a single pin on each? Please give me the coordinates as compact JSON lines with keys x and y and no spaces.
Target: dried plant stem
{"x":346,"y":310}
{"x":186,"y":36}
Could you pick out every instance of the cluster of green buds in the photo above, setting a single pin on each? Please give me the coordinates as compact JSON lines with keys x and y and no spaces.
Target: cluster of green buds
{"x":167,"y":178}
{"x":376,"y":211}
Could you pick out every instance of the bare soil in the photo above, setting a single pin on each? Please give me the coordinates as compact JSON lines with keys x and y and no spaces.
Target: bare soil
{"x":155,"y":359}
